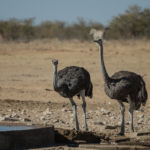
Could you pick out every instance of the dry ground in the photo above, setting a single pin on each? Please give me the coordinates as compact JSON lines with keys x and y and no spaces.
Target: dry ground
{"x":26,"y":93}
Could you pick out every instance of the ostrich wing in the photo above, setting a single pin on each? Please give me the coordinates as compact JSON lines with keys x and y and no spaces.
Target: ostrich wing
{"x":122,"y":84}
{"x":118,"y":89}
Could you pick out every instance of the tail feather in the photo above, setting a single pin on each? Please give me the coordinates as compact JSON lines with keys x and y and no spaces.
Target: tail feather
{"x":89,"y":91}
{"x":142,"y":94}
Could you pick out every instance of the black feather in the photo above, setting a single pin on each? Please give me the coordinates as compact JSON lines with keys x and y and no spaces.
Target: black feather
{"x":124,"y":83}
{"x":71,"y":80}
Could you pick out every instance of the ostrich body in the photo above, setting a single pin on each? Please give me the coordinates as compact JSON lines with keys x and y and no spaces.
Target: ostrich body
{"x":72,"y":81}
{"x":124,"y":86}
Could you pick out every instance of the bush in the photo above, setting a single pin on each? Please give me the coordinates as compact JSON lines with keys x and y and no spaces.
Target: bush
{"x":133,"y":24}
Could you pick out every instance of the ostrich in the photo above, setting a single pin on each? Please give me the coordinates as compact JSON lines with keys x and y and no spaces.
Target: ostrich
{"x":72,"y":81}
{"x":124,"y":86}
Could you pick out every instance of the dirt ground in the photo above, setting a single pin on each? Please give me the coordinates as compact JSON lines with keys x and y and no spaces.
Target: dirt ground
{"x":27,"y":96}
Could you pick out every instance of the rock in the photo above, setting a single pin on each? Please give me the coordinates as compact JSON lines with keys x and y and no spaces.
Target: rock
{"x":99,"y":123}
{"x":64,"y":110}
{"x":56,"y":120}
{"x":7,"y":116}
{"x":110,"y":127}
{"x":127,"y":123}
{"x":14,"y":115}
{"x":141,"y":116}
{"x":47,"y":112}
{"x":71,"y":120}
{"x":105,"y":112}
{"x":112,"y":117}
{"x":140,"y":110}
{"x":143,"y":133}
{"x":46,"y":123}
{"x":19,"y":109}
{"x":10,"y":119}
{"x":119,"y":139}
{"x":61,"y":121}
{"x":140,"y":121}
{"x":27,"y":120}
{"x":148,"y":118}
{"x":2,"y":118}
{"x":23,"y":112}
{"x":88,"y":117}
{"x":10,"y":110}
{"x":42,"y":118}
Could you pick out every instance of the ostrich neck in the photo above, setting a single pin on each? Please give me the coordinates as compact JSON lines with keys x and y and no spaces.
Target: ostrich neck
{"x":104,"y":72}
{"x":55,"y":77}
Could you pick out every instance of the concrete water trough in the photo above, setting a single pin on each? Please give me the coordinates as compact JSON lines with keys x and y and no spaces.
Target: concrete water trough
{"x":19,"y":136}
{"x":23,"y":137}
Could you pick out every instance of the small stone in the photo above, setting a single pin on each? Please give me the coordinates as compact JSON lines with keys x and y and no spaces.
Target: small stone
{"x":127,"y":122}
{"x":47,"y":112}
{"x":105,"y":112}
{"x":141,"y":116}
{"x":14,"y":115}
{"x":64,"y":110}
{"x":140,"y":121}
{"x":112,"y":117}
{"x":10,"y":110}
{"x":2,"y":118}
{"x":42,"y":118}
{"x":61,"y":121}
{"x":88,"y":117}
{"x":99,"y":123}
{"x":56,"y":120}
{"x":23,"y":112}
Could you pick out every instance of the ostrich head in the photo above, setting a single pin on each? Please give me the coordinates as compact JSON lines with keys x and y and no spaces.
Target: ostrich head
{"x":99,"y":41}
{"x":55,"y":62}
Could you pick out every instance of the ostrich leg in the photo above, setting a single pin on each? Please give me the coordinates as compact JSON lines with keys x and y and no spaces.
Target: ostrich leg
{"x":131,"y":114}
{"x":122,"y":117}
{"x":82,"y":93}
{"x":74,"y":107}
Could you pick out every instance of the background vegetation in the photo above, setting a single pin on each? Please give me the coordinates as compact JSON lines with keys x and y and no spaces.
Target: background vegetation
{"x":134,"y":23}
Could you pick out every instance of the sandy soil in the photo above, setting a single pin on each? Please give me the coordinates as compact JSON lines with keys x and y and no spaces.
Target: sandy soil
{"x":26,"y":93}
